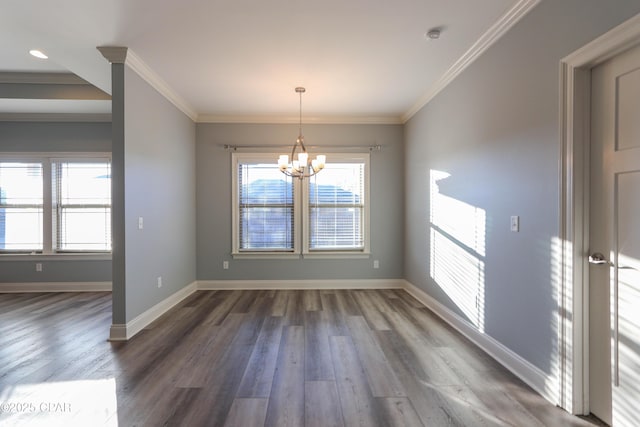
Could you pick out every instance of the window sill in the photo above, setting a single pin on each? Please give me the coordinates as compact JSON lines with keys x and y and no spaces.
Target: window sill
{"x":265,"y":255}
{"x":308,"y":255}
{"x":56,"y":257}
{"x":336,"y":255}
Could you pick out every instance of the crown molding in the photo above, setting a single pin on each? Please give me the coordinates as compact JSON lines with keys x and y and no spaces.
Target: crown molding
{"x":123,"y":55}
{"x":265,"y":119}
{"x":54,"y":117}
{"x":493,"y":34}
{"x":147,"y":74}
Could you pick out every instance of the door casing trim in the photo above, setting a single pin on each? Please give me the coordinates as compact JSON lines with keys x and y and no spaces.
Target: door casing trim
{"x":573,"y":243}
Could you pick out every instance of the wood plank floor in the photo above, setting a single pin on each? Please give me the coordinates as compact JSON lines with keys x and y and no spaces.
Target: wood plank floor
{"x":254,"y":358}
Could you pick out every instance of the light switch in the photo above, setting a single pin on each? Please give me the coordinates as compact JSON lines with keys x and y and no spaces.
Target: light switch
{"x":140,"y":223}
{"x":515,"y":223}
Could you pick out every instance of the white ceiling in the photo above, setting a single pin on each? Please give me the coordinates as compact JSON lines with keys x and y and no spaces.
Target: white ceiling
{"x":240,"y":60}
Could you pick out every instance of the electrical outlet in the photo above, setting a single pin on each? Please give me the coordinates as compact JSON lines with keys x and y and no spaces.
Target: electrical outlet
{"x":140,"y":223}
{"x":225,"y":265}
{"x":160,"y":282}
{"x":376,"y":264}
{"x":38,"y":266}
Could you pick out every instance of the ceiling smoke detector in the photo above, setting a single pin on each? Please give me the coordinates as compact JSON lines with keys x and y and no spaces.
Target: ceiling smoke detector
{"x":432,"y":34}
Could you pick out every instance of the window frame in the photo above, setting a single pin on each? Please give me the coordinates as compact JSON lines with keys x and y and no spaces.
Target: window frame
{"x":364,"y":252}
{"x":40,"y":206}
{"x":236,"y":252}
{"x":56,"y":206}
{"x":47,"y":159}
{"x":301,"y":192}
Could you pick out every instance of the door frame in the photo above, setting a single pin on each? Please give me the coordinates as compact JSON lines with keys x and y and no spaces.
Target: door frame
{"x":573,"y":243}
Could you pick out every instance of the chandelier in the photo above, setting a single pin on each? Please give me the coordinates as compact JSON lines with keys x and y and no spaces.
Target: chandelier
{"x":303,"y":166}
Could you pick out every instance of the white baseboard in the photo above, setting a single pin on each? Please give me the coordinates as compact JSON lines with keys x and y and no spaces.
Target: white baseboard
{"x":118,"y":332}
{"x":542,"y":383}
{"x":55,"y":287}
{"x":214,"y":285}
{"x":123,"y":332}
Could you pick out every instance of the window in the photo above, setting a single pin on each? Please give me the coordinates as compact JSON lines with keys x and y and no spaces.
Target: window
{"x":82,"y":200}
{"x":325,"y":215}
{"x":21,"y":207}
{"x":336,"y":208}
{"x":265,"y":208}
{"x":53,"y":205}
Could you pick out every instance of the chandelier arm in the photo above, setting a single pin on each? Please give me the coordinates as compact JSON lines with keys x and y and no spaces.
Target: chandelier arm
{"x":300,"y":175}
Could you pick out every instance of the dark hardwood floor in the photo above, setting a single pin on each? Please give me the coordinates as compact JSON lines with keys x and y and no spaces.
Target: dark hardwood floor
{"x":254,"y":358}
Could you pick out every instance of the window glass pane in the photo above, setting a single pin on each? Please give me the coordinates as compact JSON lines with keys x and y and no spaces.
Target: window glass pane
{"x":85,"y":183}
{"x":86,"y":229}
{"x":336,"y":207}
{"x":82,"y":192}
{"x":265,"y":208}
{"x":21,"y":206}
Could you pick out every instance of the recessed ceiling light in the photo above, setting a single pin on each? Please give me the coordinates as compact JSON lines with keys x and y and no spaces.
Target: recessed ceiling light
{"x":38,"y":54}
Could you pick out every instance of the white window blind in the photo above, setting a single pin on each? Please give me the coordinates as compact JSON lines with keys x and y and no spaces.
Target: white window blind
{"x":50,"y":204}
{"x":336,"y":207}
{"x":82,"y":201}
{"x":265,"y":208}
{"x":278,"y":216}
{"x":21,"y":206}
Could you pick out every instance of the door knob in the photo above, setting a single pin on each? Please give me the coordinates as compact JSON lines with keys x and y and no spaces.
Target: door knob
{"x":597,"y":258}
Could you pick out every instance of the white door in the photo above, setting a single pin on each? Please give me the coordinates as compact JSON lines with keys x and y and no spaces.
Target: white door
{"x":614,"y":292}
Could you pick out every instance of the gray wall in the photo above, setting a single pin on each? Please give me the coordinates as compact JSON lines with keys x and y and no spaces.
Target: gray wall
{"x":159,"y":185}
{"x":54,"y":137}
{"x":214,"y":201}
{"x":495,"y":129}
